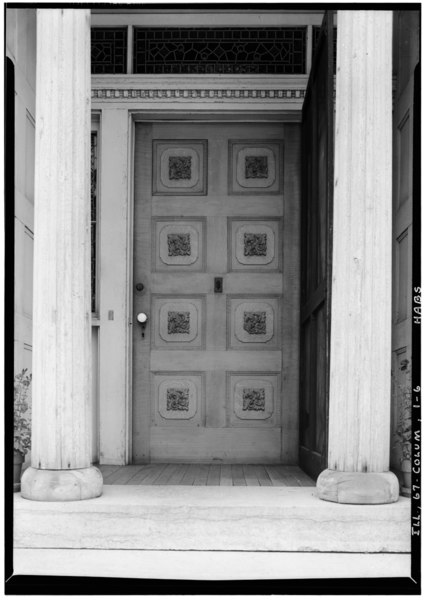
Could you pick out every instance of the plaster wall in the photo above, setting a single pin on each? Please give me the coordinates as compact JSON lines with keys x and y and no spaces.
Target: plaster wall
{"x":21,"y":50}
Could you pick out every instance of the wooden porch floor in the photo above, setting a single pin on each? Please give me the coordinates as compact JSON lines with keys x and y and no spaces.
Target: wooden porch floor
{"x":205,"y":474}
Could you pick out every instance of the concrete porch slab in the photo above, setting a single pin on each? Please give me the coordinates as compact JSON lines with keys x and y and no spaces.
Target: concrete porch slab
{"x":212,"y":518}
{"x":208,"y":565}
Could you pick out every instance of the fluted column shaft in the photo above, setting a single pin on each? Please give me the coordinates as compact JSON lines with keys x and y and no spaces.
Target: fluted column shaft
{"x":359,"y":410}
{"x":61,"y":414}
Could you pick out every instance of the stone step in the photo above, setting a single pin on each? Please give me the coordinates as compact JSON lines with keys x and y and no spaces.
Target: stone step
{"x":212,"y":518}
{"x":207,"y":565}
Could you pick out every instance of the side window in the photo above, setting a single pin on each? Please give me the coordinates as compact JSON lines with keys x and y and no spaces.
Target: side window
{"x":94,"y":211}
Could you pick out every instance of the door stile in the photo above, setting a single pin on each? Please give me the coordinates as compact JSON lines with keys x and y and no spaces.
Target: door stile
{"x":142,"y":246}
{"x":130,"y":287}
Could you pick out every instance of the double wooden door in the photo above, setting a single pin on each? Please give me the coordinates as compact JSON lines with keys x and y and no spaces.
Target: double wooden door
{"x":317,"y":210}
{"x":209,"y":272}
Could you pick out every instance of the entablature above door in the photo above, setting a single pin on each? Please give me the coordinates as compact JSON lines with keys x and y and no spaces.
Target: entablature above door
{"x":282,"y":93}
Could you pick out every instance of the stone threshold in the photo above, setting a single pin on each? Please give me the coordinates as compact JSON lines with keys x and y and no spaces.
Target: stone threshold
{"x":289,"y":519}
{"x":208,"y":565}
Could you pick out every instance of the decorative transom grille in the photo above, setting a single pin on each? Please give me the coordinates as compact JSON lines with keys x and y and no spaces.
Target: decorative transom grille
{"x":225,"y":50}
{"x":108,"y":50}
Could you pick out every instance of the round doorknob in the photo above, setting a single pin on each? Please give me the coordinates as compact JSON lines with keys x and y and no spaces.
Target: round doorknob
{"x":139,"y":287}
{"x":142,"y":317}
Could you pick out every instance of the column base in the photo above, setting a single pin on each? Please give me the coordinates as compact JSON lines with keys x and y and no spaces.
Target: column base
{"x":47,"y":485}
{"x":358,"y":488}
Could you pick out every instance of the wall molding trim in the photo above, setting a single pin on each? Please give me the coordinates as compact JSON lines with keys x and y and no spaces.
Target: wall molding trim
{"x":286,"y":91}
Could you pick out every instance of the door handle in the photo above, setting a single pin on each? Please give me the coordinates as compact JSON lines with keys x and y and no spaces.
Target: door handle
{"x":142,"y":319}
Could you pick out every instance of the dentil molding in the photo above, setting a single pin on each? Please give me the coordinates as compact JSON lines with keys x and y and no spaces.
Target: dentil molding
{"x":197,"y":94}
{"x":290,"y":89}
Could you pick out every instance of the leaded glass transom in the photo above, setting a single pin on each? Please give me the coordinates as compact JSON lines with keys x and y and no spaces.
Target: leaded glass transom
{"x":108,"y":50}
{"x":266,"y":50}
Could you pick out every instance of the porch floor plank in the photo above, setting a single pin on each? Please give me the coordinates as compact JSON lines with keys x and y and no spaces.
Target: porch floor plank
{"x":304,"y":480}
{"x":288,"y":476}
{"x":189,"y":475}
{"x":196,"y":474}
{"x":123,"y":475}
{"x":202,"y":474}
{"x":226,"y":478}
{"x":250,"y":475}
{"x":141,"y":475}
{"x":262,"y":475}
{"x":238,"y":475}
{"x":108,"y":469}
{"x":214,"y":475}
{"x":165,"y":475}
{"x":276,"y":478}
{"x":178,"y":474}
{"x":154,"y":474}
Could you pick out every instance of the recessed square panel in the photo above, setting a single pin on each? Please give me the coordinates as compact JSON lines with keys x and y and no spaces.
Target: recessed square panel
{"x":254,"y":244}
{"x":253,"y":322}
{"x":253,"y":399}
{"x":255,"y":167}
{"x":177,"y":322}
{"x":178,"y":398}
{"x":178,"y":244}
{"x":180,"y":167}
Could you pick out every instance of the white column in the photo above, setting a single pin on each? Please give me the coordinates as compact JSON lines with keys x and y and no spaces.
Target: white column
{"x":359,"y":411}
{"x":61,"y":413}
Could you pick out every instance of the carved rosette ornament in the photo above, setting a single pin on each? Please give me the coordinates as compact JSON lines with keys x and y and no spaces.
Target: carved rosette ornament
{"x":254,"y":323}
{"x":178,"y":322}
{"x":254,"y":399}
{"x":255,"y":244}
{"x":179,"y":167}
{"x":179,"y":244}
{"x":256,"y":167}
{"x":177,"y":399}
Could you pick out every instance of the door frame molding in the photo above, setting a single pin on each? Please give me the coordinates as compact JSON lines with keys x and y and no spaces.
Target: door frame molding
{"x":258,"y":105}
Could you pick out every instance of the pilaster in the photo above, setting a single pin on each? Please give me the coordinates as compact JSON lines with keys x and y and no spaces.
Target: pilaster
{"x":61,"y":427}
{"x":359,"y":411}
{"x":115,"y":252}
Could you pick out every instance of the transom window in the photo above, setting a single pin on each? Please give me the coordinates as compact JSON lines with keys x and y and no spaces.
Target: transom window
{"x":184,"y":50}
{"x":224,"y":50}
{"x":108,"y":50}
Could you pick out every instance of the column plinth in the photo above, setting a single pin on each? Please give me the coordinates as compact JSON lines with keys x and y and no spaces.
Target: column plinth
{"x":61,"y":389}
{"x":358,"y":488}
{"x":62,"y":485}
{"x":360,"y":353}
